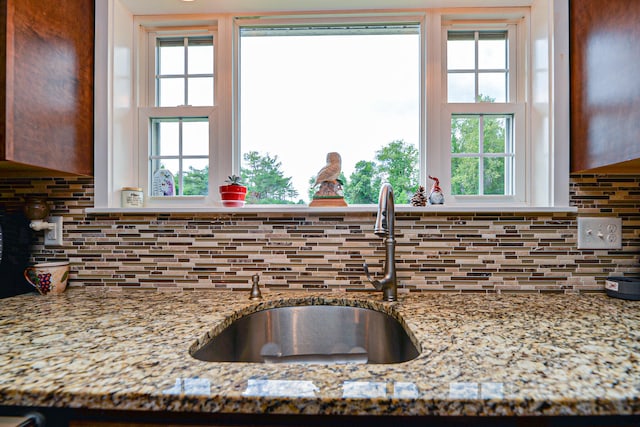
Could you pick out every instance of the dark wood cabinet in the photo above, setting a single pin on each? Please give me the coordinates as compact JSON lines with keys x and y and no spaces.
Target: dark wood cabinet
{"x":605,"y":85}
{"x":46,"y":87}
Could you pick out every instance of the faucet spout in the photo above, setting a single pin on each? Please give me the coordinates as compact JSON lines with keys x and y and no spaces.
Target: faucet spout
{"x":385,"y":227}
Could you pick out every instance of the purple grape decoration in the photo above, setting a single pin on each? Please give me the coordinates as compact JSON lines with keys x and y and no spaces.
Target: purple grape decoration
{"x":44,"y":282}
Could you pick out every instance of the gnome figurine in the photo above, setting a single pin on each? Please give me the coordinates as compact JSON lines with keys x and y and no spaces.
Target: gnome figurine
{"x":435,"y":196}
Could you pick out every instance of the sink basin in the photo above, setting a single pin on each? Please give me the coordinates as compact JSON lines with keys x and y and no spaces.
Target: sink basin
{"x":311,"y":334}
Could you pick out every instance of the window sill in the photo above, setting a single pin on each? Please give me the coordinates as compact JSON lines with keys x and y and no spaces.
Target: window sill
{"x":304,"y":209}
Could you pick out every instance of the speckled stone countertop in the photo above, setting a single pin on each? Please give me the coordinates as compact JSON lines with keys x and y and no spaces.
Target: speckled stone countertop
{"x":480,"y":355}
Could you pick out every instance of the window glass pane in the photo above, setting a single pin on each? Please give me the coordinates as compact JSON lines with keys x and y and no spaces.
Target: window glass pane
{"x":495,"y":134}
{"x":200,"y":58}
{"x":352,"y":90}
{"x":464,"y":176}
{"x":492,"y":87}
{"x":486,"y":80}
{"x":465,"y":135}
{"x":494,"y":176}
{"x":461,"y":88}
{"x":171,"y":92}
{"x":492,"y":51}
{"x":200,"y":91}
{"x":195,"y":138}
{"x":461,"y":53}
{"x":482,"y":154}
{"x":171,"y":74}
{"x":195,"y":181}
{"x":167,"y":142}
{"x":172,"y":165}
{"x":181,"y":147}
{"x":170,"y":57}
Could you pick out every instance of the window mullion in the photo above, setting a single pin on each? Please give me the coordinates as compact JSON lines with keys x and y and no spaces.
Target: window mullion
{"x":481,"y":155}
{"x":186,"y":71}
{"x":180,"y":152}
{"x":149,"y":99}
{"x":476,"y":66}
{"x":512,"y":66}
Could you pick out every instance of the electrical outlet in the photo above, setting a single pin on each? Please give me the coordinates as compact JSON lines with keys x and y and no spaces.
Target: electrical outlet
{"x":53,"y":237}
{"x":600,"y":233}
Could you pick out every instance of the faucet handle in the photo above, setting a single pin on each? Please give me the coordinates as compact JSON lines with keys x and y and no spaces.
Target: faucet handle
{"x":375,"y":283}
{"x":255,"y":289}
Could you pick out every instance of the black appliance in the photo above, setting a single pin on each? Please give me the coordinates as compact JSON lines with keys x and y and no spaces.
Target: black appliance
{"x":16,"y":240}
{"x":623,"y":287}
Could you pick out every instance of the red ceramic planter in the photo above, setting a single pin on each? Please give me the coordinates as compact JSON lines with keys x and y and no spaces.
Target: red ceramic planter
{"x":233,"y":195}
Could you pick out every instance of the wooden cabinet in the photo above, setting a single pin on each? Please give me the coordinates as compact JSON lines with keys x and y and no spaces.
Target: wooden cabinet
{"x":46,"y":87}
{"x":605,"y":85}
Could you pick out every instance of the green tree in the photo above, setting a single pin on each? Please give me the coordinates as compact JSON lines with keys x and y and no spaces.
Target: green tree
{"x":363,"y":185}
{"x":398,"y":165}
{"x":465,"y":171}
{"x":465,"y":139}
{"x":494,"y":142}
{"x":265,"y":180}
{"x":196,"y":182}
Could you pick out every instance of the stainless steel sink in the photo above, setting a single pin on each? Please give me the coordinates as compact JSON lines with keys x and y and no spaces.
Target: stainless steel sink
{"x":311,"y":334}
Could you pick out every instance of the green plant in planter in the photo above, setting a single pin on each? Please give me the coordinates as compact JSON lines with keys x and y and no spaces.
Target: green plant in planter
{"x":233,"y":193}
{"x":233,"y":180}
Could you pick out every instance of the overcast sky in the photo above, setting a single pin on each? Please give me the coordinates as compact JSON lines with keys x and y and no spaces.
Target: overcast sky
{"x":302,"y":97}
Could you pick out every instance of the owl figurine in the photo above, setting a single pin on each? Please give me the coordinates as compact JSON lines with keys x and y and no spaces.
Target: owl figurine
{"x":330,"y":186}
{"x":331,"y":170}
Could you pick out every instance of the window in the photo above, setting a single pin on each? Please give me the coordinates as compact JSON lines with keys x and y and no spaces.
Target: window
{"x":179,"y":146}
{"x":482,"y":155}
{"x":484,"y":113}
{"x":484,"y":93}
{"x":314,"y":89}
{"x":177,"y":120}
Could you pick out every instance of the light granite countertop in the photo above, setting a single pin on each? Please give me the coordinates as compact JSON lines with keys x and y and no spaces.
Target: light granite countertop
{"x":525,"y":354}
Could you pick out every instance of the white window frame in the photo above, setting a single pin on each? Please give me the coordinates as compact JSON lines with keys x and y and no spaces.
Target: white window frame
{"x":117,"y":95}
{"x":515,"y":106}
{"x":147,"y":60}
{"x":351,"y":19}
{"x":517,"y":110}
{"x":144,"y":128}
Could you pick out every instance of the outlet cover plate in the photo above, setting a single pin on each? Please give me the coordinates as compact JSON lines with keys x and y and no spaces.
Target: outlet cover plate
{"x":599,"y":233}
{"x":53,"y":237}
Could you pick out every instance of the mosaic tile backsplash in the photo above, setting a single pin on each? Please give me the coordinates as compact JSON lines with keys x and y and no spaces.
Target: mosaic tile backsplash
{"x":481,"y":252}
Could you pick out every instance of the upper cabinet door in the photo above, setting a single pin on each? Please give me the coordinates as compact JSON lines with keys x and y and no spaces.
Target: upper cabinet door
{"x":605,"y":85}
{"x":46,"y":87}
